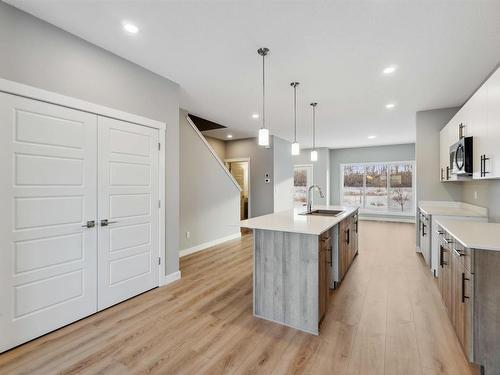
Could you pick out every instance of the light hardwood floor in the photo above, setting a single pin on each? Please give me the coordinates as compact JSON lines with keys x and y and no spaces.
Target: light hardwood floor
{"x":386,"y":318}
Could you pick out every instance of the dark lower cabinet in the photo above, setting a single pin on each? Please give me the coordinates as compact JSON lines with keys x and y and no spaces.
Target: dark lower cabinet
{"x":462,"y":303}
{"x":469,"y":283}
{"x":348,"y":243}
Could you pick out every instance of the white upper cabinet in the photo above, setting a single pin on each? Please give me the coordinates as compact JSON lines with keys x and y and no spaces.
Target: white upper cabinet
{"x":480,"y":118}
{"x":477,"y":126}
{"x":443,"y":156}
{"x":491,"y":146}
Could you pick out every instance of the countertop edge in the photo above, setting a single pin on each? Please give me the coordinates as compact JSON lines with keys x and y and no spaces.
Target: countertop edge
{"x":464,"y":243}
{"x":335,"y":220}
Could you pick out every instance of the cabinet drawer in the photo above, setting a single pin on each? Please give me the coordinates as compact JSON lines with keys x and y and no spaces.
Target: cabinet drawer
{"x":464,"y":254}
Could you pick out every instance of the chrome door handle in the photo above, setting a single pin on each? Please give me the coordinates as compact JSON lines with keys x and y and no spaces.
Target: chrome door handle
{"x":89,"y":224}
{"x":106,"y":222}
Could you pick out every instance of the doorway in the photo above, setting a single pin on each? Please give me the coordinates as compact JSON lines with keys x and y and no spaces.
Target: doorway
{"x":240,"y":170}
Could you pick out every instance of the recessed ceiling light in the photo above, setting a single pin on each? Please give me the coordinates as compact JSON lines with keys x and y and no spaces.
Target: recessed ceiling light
{"x":130,"y":27}
{"x":229,"y":136}
{"x":372,"y":136}
{"x":390,"y":69}
{"x":255,"y":115}
{"x":390,"y":106}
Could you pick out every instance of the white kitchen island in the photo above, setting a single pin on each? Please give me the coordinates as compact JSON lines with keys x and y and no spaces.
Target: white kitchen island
{"x":294,"y":256}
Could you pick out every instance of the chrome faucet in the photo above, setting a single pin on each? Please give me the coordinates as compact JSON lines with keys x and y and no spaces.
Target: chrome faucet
{"x":309,"y":196}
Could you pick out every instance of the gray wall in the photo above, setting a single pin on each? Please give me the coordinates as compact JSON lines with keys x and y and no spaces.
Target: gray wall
{"x":283,"y":174}
{"x":429,"y":187}
{"x":39,"y":54}
{"x":321,"y":171}
{"x":209,"y":200}
{"x":261,"y":162}
{"x":218,"y":145}
{"x":362,"y":155}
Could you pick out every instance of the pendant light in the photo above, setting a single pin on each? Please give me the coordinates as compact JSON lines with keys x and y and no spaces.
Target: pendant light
{"x":263,"y":132}
{"x":295,"y":144}
{"x":314,"y":153}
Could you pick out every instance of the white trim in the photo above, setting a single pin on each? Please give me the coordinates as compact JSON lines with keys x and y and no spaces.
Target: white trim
{"x":208,"y":244}
{"x":11,"y":87}
{"x":190,"y":122}
{"x":19,"y":89}
{"x":170,"y":278}
{"x":162,"y":208}
{"x":249,"y":182}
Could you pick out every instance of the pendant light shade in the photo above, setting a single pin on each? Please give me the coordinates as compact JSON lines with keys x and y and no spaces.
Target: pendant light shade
{"x":314,"y":153}
{"x":263,"y":132}
{"x":263,"y":137}
{"x":295,"y":144}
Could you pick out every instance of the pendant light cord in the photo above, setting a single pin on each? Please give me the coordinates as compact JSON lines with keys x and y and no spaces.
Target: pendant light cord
{"x":263,"y":92}
{"x":295,"y":113}
{"x":314,"y":124}
{"x":314,"y":127}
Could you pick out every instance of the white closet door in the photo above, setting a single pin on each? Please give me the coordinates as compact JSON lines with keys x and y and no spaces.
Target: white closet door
{"x":128,"y":199}
{"x":48,"y":261}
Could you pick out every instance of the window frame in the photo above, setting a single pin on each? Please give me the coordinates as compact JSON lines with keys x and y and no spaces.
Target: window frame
{"x":388,"y":164}
{"x":311,"y":166}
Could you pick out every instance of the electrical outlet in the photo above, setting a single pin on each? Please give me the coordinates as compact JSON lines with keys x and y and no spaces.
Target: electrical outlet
{"x":188,"y":234}
{"x":475,"y":195}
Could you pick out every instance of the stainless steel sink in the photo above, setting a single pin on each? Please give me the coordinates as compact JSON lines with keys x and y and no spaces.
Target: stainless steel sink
{"x":324,"y":212}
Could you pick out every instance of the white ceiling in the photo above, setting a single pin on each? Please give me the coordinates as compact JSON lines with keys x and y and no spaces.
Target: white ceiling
{"x":335,"y":49}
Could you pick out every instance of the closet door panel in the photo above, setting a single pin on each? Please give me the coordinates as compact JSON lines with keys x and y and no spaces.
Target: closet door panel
{"x":48,"y":261}
{"x":128,"y":199}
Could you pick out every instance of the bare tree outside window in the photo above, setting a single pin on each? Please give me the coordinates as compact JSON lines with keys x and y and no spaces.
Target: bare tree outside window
{"x":400,"y":197}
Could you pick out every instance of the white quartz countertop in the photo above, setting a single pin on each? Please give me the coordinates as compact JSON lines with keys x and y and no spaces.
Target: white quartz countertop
{"x":292,"y":221}
{"x":429,"y":208}
{"x":473,"y":234}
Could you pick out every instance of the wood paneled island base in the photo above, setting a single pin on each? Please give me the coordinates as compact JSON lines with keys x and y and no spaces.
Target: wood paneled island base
{"x":293,"y":270}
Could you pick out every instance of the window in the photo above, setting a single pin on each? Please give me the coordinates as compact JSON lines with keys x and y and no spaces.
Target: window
{"x":302,"y":178}
{"x":379,"y":187}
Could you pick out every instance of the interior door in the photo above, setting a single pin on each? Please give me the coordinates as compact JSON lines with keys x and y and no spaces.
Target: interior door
{"x":48,"y":264}
{"x":128,"y":250}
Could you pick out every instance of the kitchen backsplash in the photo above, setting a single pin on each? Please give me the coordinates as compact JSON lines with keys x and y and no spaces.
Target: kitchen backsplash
{"x":488,"y":195}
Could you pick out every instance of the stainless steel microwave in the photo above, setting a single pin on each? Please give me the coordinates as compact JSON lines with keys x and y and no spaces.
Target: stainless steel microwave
{"x":461,"y":156}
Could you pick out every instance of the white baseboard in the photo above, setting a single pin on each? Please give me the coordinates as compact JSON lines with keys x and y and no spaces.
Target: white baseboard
{"x":389,"y":219}
{"x":208,"y":244}
{"x":170,"y":278}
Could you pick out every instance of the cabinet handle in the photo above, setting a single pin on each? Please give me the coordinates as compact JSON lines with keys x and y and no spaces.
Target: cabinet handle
{"x":331,"y":257}
{"x":458,"y":252}
{"x":423,"y":230}
{"x":463,"y":288}
{"x":348,"y":233}
{"x":440,"y":232}
{"x":483,"y":165}
{"x":447,"y":173}
{"x":441,"y":255}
